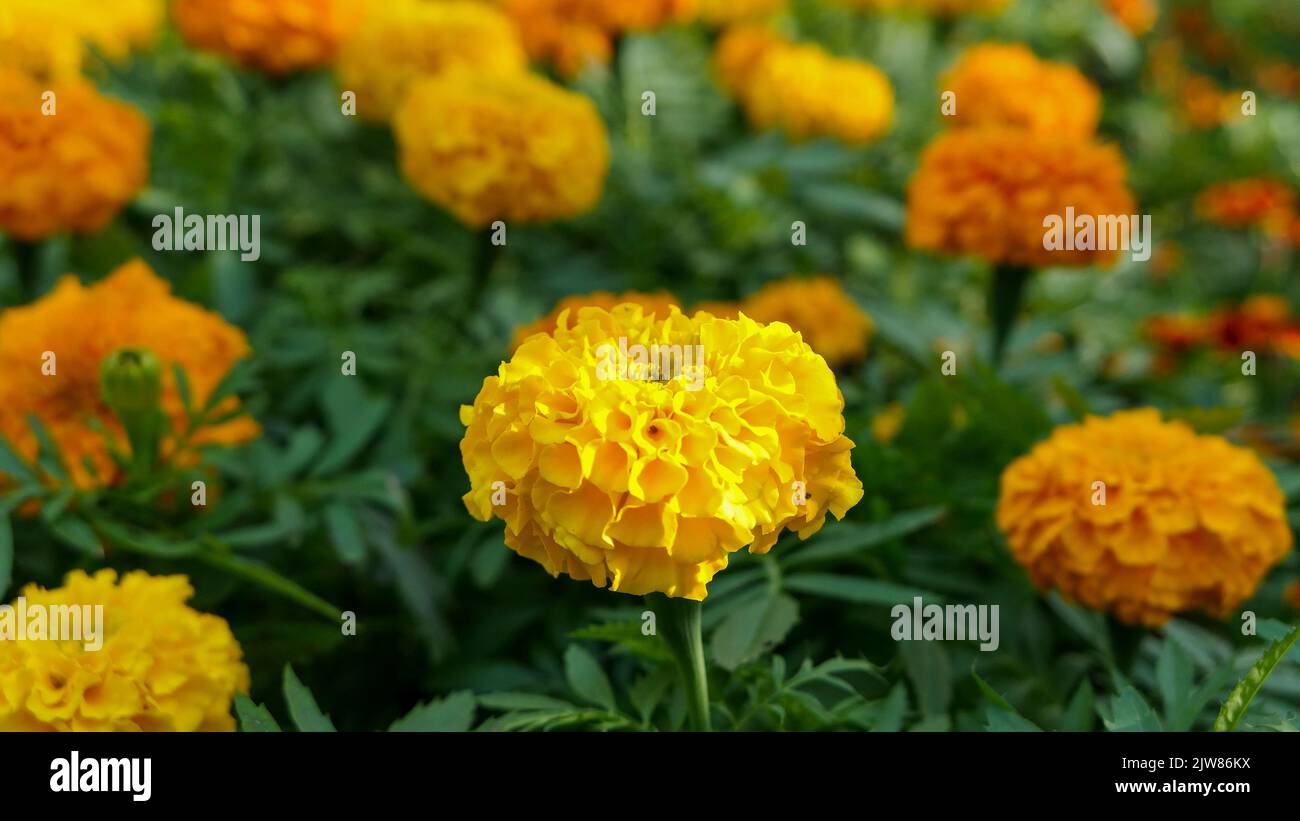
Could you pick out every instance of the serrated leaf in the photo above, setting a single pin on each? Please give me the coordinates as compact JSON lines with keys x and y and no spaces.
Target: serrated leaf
{"x":750,"y":630}
{"x":586,"y":679}
{"x":1238,"y":702}
{"x":1079,"y":714}
{"x":254,"y":718}
{"x":453,"y":714}
{"x":1129,"y":711}
{"x":306,"y":715}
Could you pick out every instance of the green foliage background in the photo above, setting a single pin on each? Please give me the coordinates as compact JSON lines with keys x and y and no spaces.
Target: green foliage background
{"x":353,"y":492}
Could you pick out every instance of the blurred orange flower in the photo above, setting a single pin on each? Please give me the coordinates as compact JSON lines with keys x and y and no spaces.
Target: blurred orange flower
{"x":1007,"y":85}
{"x":275,"y":36}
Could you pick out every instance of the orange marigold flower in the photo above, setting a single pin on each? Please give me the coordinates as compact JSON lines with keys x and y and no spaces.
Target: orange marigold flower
{"x":401,"y":40}
{"x":1245,"y":202}
{"x":819,"y":309}
{"x":80,"y":326}
{"x":987,"y":192}
{"x":570,"y":34}
{"x":804,"y":90}
{"x":1138,"y":16}
{"x":647,"y":481}
{"x":1179,"y":332}
{"x":160,"y":666}
{"x":502,"y":146}
{"x":69,"y":172}
{"x":1291,"y":596}
{"x":654,"y":304}
{"x":1143,"y":518}
{"x":723,"y":12}
{"x":1007,"y":85}
{"x":275,"y":36}
{"x":938,"y":8}
{"x":1259,"y":323}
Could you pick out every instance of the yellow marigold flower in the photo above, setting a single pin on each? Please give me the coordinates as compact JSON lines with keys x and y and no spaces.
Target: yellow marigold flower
{"x":81,"y":325}
{"x":654,"y":304}
{"x":570,"y":34}
{"x":69,"y":172}
{"x":1186,"y":521}
{"x":722,"y":12}
{"x":886,"y":424}
{"x":47,"y":38}
{"x":803,"y":90}
{"x":275,"y":36}
{"x":829,"y":320}
{"x":1244,"y":202}
{"x":938,"y":8}
{"x":988,"y":191}
{"x":502,"y":146}
{"x":646,"y":485}
{"x":1138,"y":16}
{"x":723,"y":309}
{"x":162,"y":666}
{"x":402,"y":40}
{"x":1007,"y":85}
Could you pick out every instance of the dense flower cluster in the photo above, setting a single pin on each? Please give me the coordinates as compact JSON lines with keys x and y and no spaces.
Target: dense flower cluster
{"x":69,"y":172}
{"x":655,"y":304}
{"x":1262,"y":324}
{"x":402,"y":40}
{"x":802,"y":89}
{"x":570,"y":34}
{"x":276,"y":36}
{"x":1006,"y":85}
{"x":646,"y":485}
{"x":163,"y":667}
{"x":81,"y":325}
{"x":47,"y":39}
{"x":818,"y":308}
{"x":1179,"y":521}
{"x":986,"y":192}
{"x":502,"y":146}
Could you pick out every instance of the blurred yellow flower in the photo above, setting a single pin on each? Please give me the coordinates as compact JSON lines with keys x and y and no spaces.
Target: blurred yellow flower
{"x":80,"y":326}
{"x":162,"y":666}
{"x":646,"y":485}
{"x":48,"y":38}
{"x":69,"y":172}
{"x":1006,"y":85}
{"x":571,"y":34}
{"x":802,"y":89}
{"x":401,"y":40}
{"x":723,"y":309}
{"x":654,"y":304}
{"x":502,"y":146}
{"x":722,"y":12}
{"x":1143,"y":518}
{"x":938,"y":8}
{"x":1138,"y":16}
{"x":986,"y":192}
{"x":275,"y":36}
{"x":886,"y":424}
{"x":819,"y":309}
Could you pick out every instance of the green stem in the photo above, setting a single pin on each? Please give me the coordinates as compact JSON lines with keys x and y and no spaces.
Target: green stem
{"x":218,"y":555}
{"x":1005,"y":295}
{"x":679,"y":619}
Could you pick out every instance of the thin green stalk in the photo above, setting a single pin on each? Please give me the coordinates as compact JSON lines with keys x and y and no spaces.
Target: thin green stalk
{"x":1006,"y":293}
{"x":679,"y":621}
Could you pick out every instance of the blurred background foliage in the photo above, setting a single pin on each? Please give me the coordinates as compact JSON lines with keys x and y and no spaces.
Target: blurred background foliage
{"x":353,"y":491}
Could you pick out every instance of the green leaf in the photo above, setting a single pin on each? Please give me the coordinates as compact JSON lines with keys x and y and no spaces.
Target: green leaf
{"x":12,"y":464}
{"x":1129,"y":712}
{"x":857,"y":590}
{"x":586,"y":679}
{"x":1079,"y":714}
{"x":1244,"y":693}
{"x":353,"y":418}
{"x":75,"y":533}
{"x":1174,"y":679}
{"x":1002,"y":721}
{"x":345,"y":533}
{"x":48,"y":456}
{"x":991,"y":694}
{"x":930,"y":672}
{"x":453,"y":714}
{"x":307,"y":717}
{"x":848,"y":538}
{"x":523,"y":702}
{"x":753,"y":629}
{"x":254,"y":718}
{"x":893,"y":709}
{"x":6,"y":555}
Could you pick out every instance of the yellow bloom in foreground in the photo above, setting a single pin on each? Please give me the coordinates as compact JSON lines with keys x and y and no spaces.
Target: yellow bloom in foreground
{"x":804,"y":90}
{"x":830,"y":321}
{"x":987,"y":192}
{"x":1007,"y":85}
{"x":646,"y":485}
{"x":162,"y":666}
{"x":655,"y":304}
{"x":721,"y":308}
{"x":81,"y":325}
{"x":402,"y":40}
{"x":1186,"y":522}
{"x":48,"y":38}
{"x":72,"y":171}
{"x":502,"y":146}
{"x":276,"y":36}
